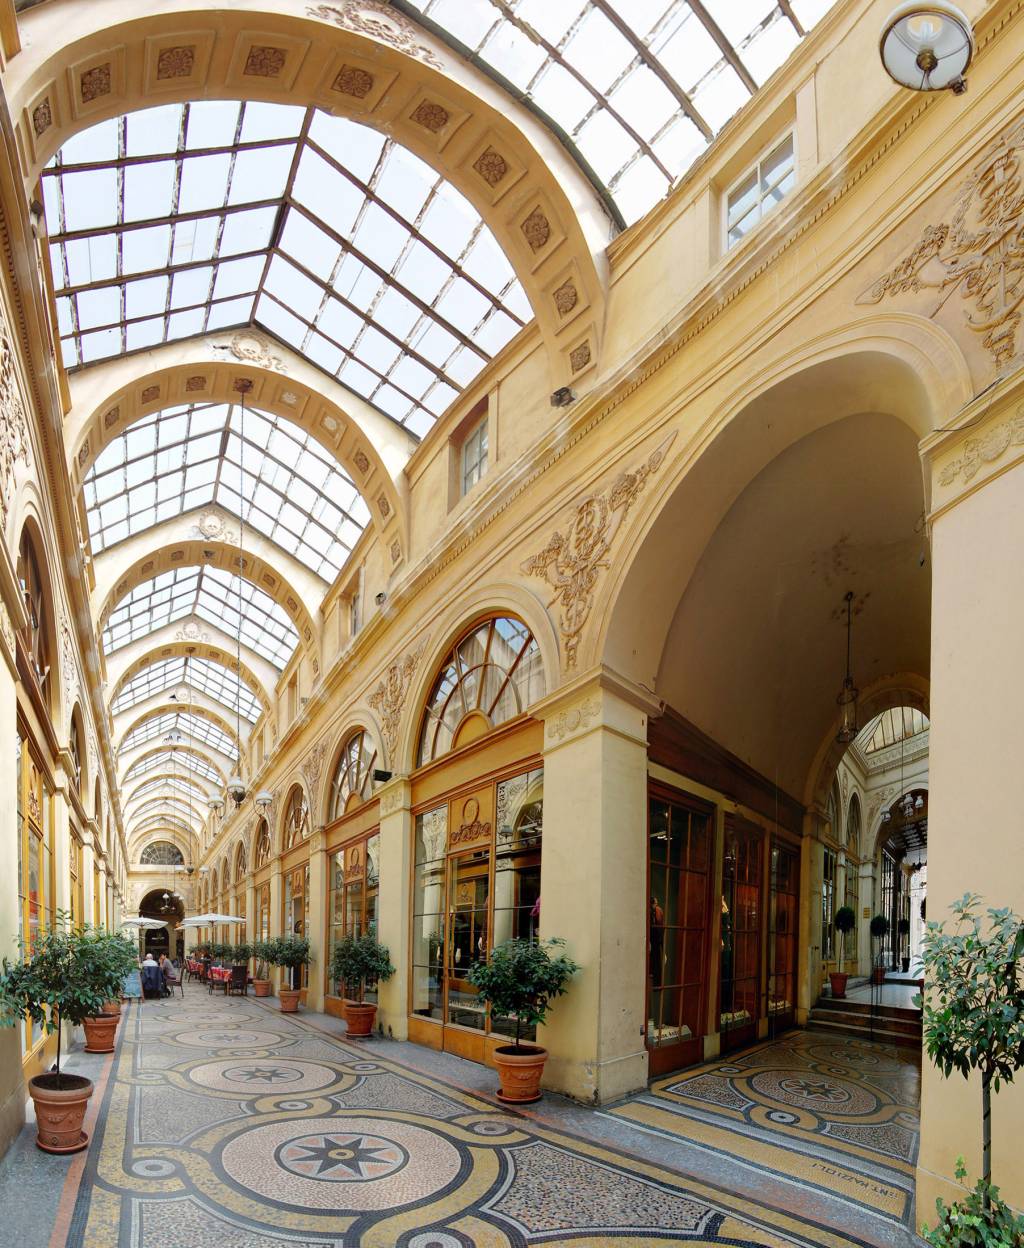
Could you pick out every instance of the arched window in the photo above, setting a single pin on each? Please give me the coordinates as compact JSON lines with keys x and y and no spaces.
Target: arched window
{"x":214,"y":890}
{"x":36,"y":635}
{"x":296,"y":818}
{"x":262,"y":853}
{"x":354,"y":773}
{"x":492,"y":675}
{"x":832,"y":812}
{"x":75,"y":749}
{"x":240,"y":863}
{"x":853,"y":827}
{"x":162,"y":854}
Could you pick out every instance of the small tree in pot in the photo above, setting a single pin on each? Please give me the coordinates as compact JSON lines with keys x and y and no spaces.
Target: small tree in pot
{"x":263,"y":952}
{"x":903,"y":930}
{"x":356,"y":961}
{"x":62,"y":976}
{"x":879,"y":931}
{"x":845,"y":921}
{"x":973,"y":1014}
{"x":291,"y":953}
{"x":519,"y":982}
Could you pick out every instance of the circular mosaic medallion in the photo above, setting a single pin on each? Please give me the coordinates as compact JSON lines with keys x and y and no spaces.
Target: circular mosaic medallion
{"x":825,"y":1095}
{"x":435,"y":1239}
{"x":153,"y":1168}
{"x":341,"y":1163}
{"x":255,"y":1076}
{"x":222,"y":1038}
{"x":855,"y":1055}
{"x":293,"y":1104}
{"x":780,"y":1115}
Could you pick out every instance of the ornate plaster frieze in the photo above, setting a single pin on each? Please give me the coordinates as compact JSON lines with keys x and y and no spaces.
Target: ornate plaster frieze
{"x":571,"y":563}
{"x":312,"y":766}
{"x":986,"y":448}
{"x":378,"y":21}
{"x":7,"y":630}
{"x":388,"y":698}
{"x":576,"y":719}
{"x":69,"y":670}
{"x":393,"y":798}
{"x":976,"y":255}
{"x":213,"y":525}
{"x":14,"y":437}
{"x":192,"y":630}
{"x":249,"y":347}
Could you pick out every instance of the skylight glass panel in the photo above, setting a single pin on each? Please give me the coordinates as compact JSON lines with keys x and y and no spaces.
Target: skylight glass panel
{"x":169,"y":784}
{"x":640,"y":87}
{"x":164,"y":760}
{"x":189,"y":456}
{"x":217,"y":215}
{"x":190,"y":727}
{"x":175,"y":674}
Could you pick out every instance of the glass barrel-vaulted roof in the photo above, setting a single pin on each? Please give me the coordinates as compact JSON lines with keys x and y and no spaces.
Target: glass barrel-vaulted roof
{"x":188,"y":726}
{"x":174,"y":221}
{"x":169,"y":784}
{"x":189,"y":761}
{"x":212,"y":594}
{"x":212,"y":678}
{"x":295,"y":492}
{"x":640,"y":87}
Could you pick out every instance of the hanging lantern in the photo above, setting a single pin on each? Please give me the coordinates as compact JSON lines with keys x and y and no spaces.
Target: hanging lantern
{"x":849,"y":693}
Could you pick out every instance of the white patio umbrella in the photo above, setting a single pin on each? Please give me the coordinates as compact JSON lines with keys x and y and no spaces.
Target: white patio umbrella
{"x":209,"y":920}
{"x":144,"y":924}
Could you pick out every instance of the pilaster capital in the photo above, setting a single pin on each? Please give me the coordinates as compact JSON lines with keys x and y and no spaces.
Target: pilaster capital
{"x":395,"y":796}
{"x":317,"y":841}
{"x":599,"y":699}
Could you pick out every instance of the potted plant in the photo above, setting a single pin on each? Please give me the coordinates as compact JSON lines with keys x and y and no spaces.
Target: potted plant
{"x":355,"y":961}
{"x":241,"y":953}
{"x":262,"y":951}
{"x":291,"y":953}
{"x":61,"y":976}
{"x":845,"y":921}
{"x":903,"y":930}
{"x":125,"y":959}
{"x":520,"y":981}
{"x":879,"y":930}
{"x":973,"y":1017}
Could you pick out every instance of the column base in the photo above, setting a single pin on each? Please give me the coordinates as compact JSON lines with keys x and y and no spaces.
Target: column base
{"x":596,"y":1083}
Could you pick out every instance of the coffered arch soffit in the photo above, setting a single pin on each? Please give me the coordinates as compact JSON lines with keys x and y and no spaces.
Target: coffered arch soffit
{"x":198,"y":553}
{"x":108,"y":398}
{"x":207,"y":651}
{"x":543,"y":213}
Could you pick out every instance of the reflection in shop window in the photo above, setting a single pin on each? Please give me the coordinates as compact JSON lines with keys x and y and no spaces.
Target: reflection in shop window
{"x":352,"y":903}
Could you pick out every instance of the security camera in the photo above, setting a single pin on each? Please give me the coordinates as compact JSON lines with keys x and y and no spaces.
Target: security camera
{"x":380,"y":599}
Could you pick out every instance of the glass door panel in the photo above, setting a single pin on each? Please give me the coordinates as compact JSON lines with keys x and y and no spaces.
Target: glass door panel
{"x":468,"y":896}
{"x":783,"y":931}
{"x":740,"y":986}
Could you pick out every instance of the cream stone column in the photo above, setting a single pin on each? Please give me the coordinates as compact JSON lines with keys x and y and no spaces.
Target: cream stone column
{"x":62,"y":833}
{"x":277,"y":973}
{"x":594,"y":884}
{"x":809,"y":944}
{"x":250,"y":909}
{"x":977,"y":531}
{"x":393,"y":903}
{"x":12,"y":1087}
{"x":317,"y":926}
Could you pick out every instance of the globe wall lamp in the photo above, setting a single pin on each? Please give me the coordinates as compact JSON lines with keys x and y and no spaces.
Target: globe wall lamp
{"x":236,"y":790}
{"x":927,"y":46}
{"x":264,"y":799}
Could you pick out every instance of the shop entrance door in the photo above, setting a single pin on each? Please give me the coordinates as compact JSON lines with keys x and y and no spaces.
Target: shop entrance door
{"x":742,"y":911}
{"x":467,"y":940}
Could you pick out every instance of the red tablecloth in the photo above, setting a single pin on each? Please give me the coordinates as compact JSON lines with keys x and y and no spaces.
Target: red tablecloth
{"x":220,"y":973}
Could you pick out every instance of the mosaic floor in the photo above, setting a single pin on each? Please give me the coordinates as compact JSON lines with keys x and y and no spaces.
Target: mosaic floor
{"x":835,"y":1114}
{"x":227,"y":1125}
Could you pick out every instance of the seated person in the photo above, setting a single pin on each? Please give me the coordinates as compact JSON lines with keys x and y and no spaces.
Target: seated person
{"x":152,"y":978}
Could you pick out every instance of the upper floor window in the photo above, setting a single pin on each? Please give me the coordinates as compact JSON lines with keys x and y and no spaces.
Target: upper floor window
{"x":474,"y":456}
{"x":760,"y":189}
{"x":162,"y":854}
{"x":36,"y":635}
{"x":263,"y":847}
{"x":354,"y":773}
{"x":240,"y":864}
{"x":75,"y":749}
{"x":296,"y":819}
{"x":491,"y":675}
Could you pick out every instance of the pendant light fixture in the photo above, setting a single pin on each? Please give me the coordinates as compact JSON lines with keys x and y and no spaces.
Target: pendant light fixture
{"x":236,"y":789}
{"x":847,"y":699}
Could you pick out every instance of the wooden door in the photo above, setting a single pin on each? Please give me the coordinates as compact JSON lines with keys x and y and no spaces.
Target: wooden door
{"x":742,"y":920}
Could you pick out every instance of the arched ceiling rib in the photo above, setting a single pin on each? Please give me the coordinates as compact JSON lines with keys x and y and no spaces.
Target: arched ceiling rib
{"x":167,"y":782}
{"x":177,"y":220}
{"x":195,"y":762}
{"x":178,"y":674}
{"x":639,"y":88}
{"x":159,"y":726}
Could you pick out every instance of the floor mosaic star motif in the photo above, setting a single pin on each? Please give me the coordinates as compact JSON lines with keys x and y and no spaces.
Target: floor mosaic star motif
{"x":317,"y":1143}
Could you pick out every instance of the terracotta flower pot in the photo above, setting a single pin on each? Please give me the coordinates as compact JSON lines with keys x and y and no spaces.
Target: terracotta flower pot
{"x":289,"y":1000}
{"x":59,"y":1112}
{"x":112,"y":1007}
{"x":261,"y":987}
{"x":100,"y":1032}
{"x":519,"y":1073}
{"x":838,"y":981}
{"x":359,"y":1017}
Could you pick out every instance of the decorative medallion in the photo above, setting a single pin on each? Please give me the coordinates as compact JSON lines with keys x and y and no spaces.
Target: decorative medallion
{"x":353,"y":81}
{"x":984,"y":449}
{"x":566,"y":723}
{"x":94,"y":83}
{"x":242,"y":385}
{"x":192,"y":384}
{"x":83,"y":453}
{"x":389,"y":696}
{"x":213,"y":525}
{"x":579,"y":357}
{"x":536,"y":229}
{"x":396,"y":551}
{"x":289,"y":398}
{"x":42,"y":116}
{"x":566,"y":297}
{"x":491,"y":166}
{"x":150,"y":394}
{"x":384,"y":505}
{"x":111,"y":416}
{"x":147,"y":567}
{"x":430,"y":116}
{"x":379,"y":21}
{"x":976,"y":254}
{"x":192,"y":630}
{"x":263,"y":62}
{"x":471,"y":828}
{"x":248,"y":347}
{"x":175,"y":62}
{"x":361,"y":461}
{"x":571,"y":564}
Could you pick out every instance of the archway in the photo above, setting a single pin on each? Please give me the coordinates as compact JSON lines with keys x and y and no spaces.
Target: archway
{"x":166,"y":904}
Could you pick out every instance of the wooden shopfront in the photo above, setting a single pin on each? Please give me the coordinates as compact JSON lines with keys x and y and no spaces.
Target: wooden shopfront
{"x":295,"y":876}
{"x":353,"y":885}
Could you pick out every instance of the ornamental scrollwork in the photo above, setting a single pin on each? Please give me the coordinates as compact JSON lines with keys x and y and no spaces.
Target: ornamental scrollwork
{"x":571,"y":562}
{"x":14,"y":438}
{"x":251,"y":348}
{"x":378,"y":21}
{"x":388,"y":698}
{"x":313,"y":765}
{"x":566,"y":723}
{"x":984,"y":449}
{"x":977,"y":255}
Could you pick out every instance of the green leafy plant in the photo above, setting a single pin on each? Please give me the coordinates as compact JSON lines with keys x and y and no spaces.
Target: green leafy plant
{"x":262,"y":951}
{"x":358,"y":959}
{"x":879,"y":929}
{"x":63,"y":975}
{"x":290,"y":952}
{"x":521,"y":979}
{"x":903,"y":931}
{"x":973,"y":1009}
{"x":241,"y":953}
{"x":981,"y":1220}
{"x":845,"y":921}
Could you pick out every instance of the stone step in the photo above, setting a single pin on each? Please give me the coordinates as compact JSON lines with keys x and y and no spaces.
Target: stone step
{"x":861,"y":1022}
{"x":845,"y":1006}
{"x":880,"y":1034}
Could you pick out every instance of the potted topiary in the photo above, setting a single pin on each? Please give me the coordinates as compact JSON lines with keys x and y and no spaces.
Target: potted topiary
{"x":879,"y":930}
{"x":124,"y":954}
{"x":291,"y":953}
{"x":845,"y":922}
{"x":262,"y":951}
{"x":520,"y":981}
{"x":903,"y":930}
{"x":241,"y":953}
{"x":62,"y":976}
{"x":356,"y":960}
{"x":973,"y":1019}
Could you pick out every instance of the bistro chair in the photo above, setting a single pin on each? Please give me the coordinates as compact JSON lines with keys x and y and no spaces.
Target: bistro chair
{"x":239,"y":981}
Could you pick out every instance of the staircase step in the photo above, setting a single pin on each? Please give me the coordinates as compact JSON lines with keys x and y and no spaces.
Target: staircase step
{"x":880,"y":1035}
{"x":845,"y":1006}
{"x":862,"y":1022}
